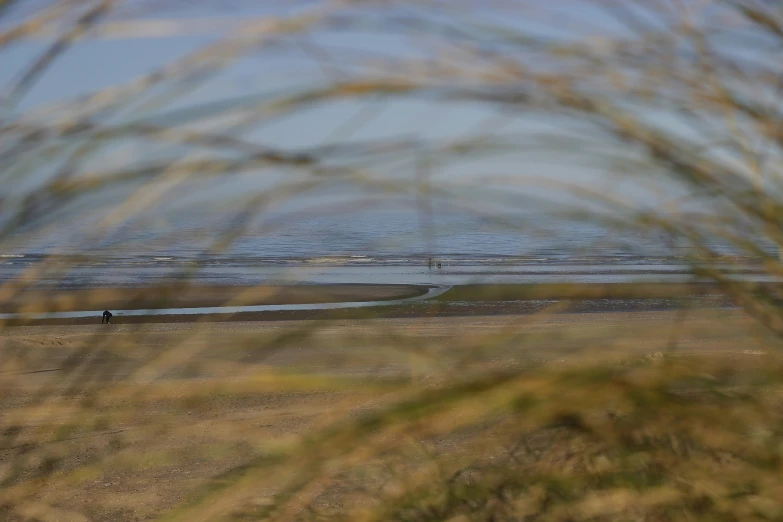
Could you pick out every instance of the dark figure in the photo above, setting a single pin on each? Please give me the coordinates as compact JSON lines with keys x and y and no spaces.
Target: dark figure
{"x":106,"y":317}
{"x":429,"y":263}
{"x":439,"y":265}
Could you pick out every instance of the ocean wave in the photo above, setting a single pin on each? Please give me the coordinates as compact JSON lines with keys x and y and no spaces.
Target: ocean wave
{"x":339,"y":259}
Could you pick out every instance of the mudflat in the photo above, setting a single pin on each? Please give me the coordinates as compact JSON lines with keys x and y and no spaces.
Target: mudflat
{"x":196,"y":296}
{"x":458,"y":301}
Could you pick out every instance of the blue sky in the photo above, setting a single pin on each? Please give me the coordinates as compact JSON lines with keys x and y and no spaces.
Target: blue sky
{"x":99,"y":62}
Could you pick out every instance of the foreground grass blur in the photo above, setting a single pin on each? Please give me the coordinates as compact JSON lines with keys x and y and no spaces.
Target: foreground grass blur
{"x":590,"y":416}
{"x":665,"y":415}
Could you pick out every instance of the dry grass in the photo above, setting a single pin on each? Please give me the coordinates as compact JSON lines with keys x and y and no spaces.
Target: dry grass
{"x":660,"y":416}
{"x":368,"y":419}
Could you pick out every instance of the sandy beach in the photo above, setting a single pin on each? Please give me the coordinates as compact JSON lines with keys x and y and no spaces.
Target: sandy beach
{"x":214,"y":392}
{"x":174,"y":402}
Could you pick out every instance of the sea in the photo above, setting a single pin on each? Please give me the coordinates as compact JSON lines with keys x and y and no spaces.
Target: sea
{"x":368,"y":247}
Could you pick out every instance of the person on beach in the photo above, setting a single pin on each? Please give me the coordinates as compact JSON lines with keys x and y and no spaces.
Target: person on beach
{"x":429,"y":263}
{"x":439,"y":265}
{"x":106,"y":317}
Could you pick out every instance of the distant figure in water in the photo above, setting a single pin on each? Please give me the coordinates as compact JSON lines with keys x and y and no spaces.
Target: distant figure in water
{"x":429,"y":263}
{"x":106,"y":317}
{"x":439,"y":265}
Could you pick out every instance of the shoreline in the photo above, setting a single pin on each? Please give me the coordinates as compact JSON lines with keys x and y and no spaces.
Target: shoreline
{"x":411,"y":311}
{"x":458,"y":301}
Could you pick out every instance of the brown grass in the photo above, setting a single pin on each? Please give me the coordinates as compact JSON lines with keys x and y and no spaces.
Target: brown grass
{"x":659,"y":416}
{"x":420,"y":419}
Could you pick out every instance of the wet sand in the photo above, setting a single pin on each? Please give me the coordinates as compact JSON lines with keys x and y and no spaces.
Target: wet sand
{"x":459,"y":301}
{"x":197,"y":296}
{"x":410,"y":311}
